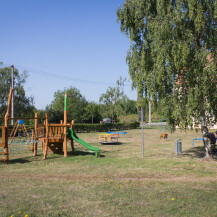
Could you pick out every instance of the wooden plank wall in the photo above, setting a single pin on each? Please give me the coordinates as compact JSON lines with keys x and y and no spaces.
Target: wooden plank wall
{"x":4,"y":144}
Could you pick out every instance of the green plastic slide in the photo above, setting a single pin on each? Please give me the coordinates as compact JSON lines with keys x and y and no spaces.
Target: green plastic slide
{"x":72,"y":135}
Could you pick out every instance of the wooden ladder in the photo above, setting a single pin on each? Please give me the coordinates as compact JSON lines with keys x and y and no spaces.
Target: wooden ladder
{"x":4,"y":144}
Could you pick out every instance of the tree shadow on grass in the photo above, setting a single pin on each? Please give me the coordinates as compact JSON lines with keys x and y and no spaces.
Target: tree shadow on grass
{"x":197,"y":152}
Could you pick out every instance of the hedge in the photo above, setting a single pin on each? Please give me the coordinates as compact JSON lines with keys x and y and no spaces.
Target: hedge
{"x":105,"y":127}
{"x":82,"y":128}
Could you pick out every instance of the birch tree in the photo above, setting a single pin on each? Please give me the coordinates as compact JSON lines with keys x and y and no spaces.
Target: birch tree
{"x":172,"y":57}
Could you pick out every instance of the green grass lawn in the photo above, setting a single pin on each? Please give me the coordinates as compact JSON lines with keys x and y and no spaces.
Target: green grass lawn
{"x":119,"y":183}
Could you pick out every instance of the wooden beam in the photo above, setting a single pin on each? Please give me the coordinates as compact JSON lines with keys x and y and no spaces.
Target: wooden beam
{"x":35,"y":144}
{"x":57,"y":125}
{"x":46,"y":140}
{"x":2,"y":145}
{"x":25,"y":118}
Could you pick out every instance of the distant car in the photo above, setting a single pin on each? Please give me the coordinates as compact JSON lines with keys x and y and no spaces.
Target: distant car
{"x":107,"y":120}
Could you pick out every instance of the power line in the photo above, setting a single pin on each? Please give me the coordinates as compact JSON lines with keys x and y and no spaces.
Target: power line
{"x":53,"y":75}
{"x":63,"y":77}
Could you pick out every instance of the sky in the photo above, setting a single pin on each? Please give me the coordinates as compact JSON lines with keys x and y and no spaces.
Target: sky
{"x":65,"y":44}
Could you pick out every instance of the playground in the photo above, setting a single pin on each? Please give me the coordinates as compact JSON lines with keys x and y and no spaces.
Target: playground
{"x":52,"y":137}
{"x":95,"y":124}
{"x":103,"y":174}
{"x":117,"y":183}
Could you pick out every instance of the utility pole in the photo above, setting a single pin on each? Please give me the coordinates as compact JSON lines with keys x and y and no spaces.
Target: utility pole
{"x":142,"y":132}
{"x":149,"y":112}
{"x":12,"y":101}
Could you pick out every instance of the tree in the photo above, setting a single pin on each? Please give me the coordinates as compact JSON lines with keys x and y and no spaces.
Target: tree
{"x":23,"y":105}
{"x":92,"y":112}
{"x":128,"y":106}
{"x":112,"y":100}
{"x":76,"y":104}
{"x":109,"y":100}
{"x":172,"y":58}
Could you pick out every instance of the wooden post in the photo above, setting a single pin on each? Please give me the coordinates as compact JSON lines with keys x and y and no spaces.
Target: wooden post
{"x":32,"y":143}
{"x":14,"y":128}
{"x":65,"y":128}
{"x":36,"y":135}
{"x":2,"y":143}
{"x":7,"y":126}
{"x":45,"y":147}
{"x":72,"y":124}
{"x":25,"y":130}
{"x":6,"y":152}
{"x":17,"y":126}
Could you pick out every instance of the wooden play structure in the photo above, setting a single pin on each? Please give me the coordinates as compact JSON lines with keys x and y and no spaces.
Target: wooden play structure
{"x":4,"y":129}
{"x":53,"y":137}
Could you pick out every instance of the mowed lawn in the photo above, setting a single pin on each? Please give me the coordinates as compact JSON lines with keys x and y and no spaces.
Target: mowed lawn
{"x":119,"y":183}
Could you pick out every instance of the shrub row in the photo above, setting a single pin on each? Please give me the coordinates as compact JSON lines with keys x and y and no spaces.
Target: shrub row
{"x":105,"y":127}
{"x":82,"y":128}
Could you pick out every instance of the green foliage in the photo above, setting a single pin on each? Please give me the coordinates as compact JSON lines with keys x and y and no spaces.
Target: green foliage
{"x":129,"y":106}
{"x":128,"y":118}
{"x":23,"y":105}
{"x":105,"y":127}
{"x":92,"y":112}
{"x":114,"y":101}
{"x":76,"y":104}
{"x":172,"y":58}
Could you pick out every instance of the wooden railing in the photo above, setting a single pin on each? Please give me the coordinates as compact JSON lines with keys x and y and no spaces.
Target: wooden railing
{"x":55,"y":132}
{"x":40,"y":131}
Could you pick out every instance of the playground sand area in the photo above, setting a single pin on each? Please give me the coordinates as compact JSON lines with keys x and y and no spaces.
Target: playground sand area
{"x":118,"y":183}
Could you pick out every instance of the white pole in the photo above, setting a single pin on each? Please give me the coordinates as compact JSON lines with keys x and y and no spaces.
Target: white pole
{"x":142,"y":133}
{"x":12,"y":100}
{"x":149,"y":112}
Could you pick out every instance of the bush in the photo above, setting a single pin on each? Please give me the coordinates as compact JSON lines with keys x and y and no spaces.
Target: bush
{"x":97,"y":127}
{"x":105,"y":127}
